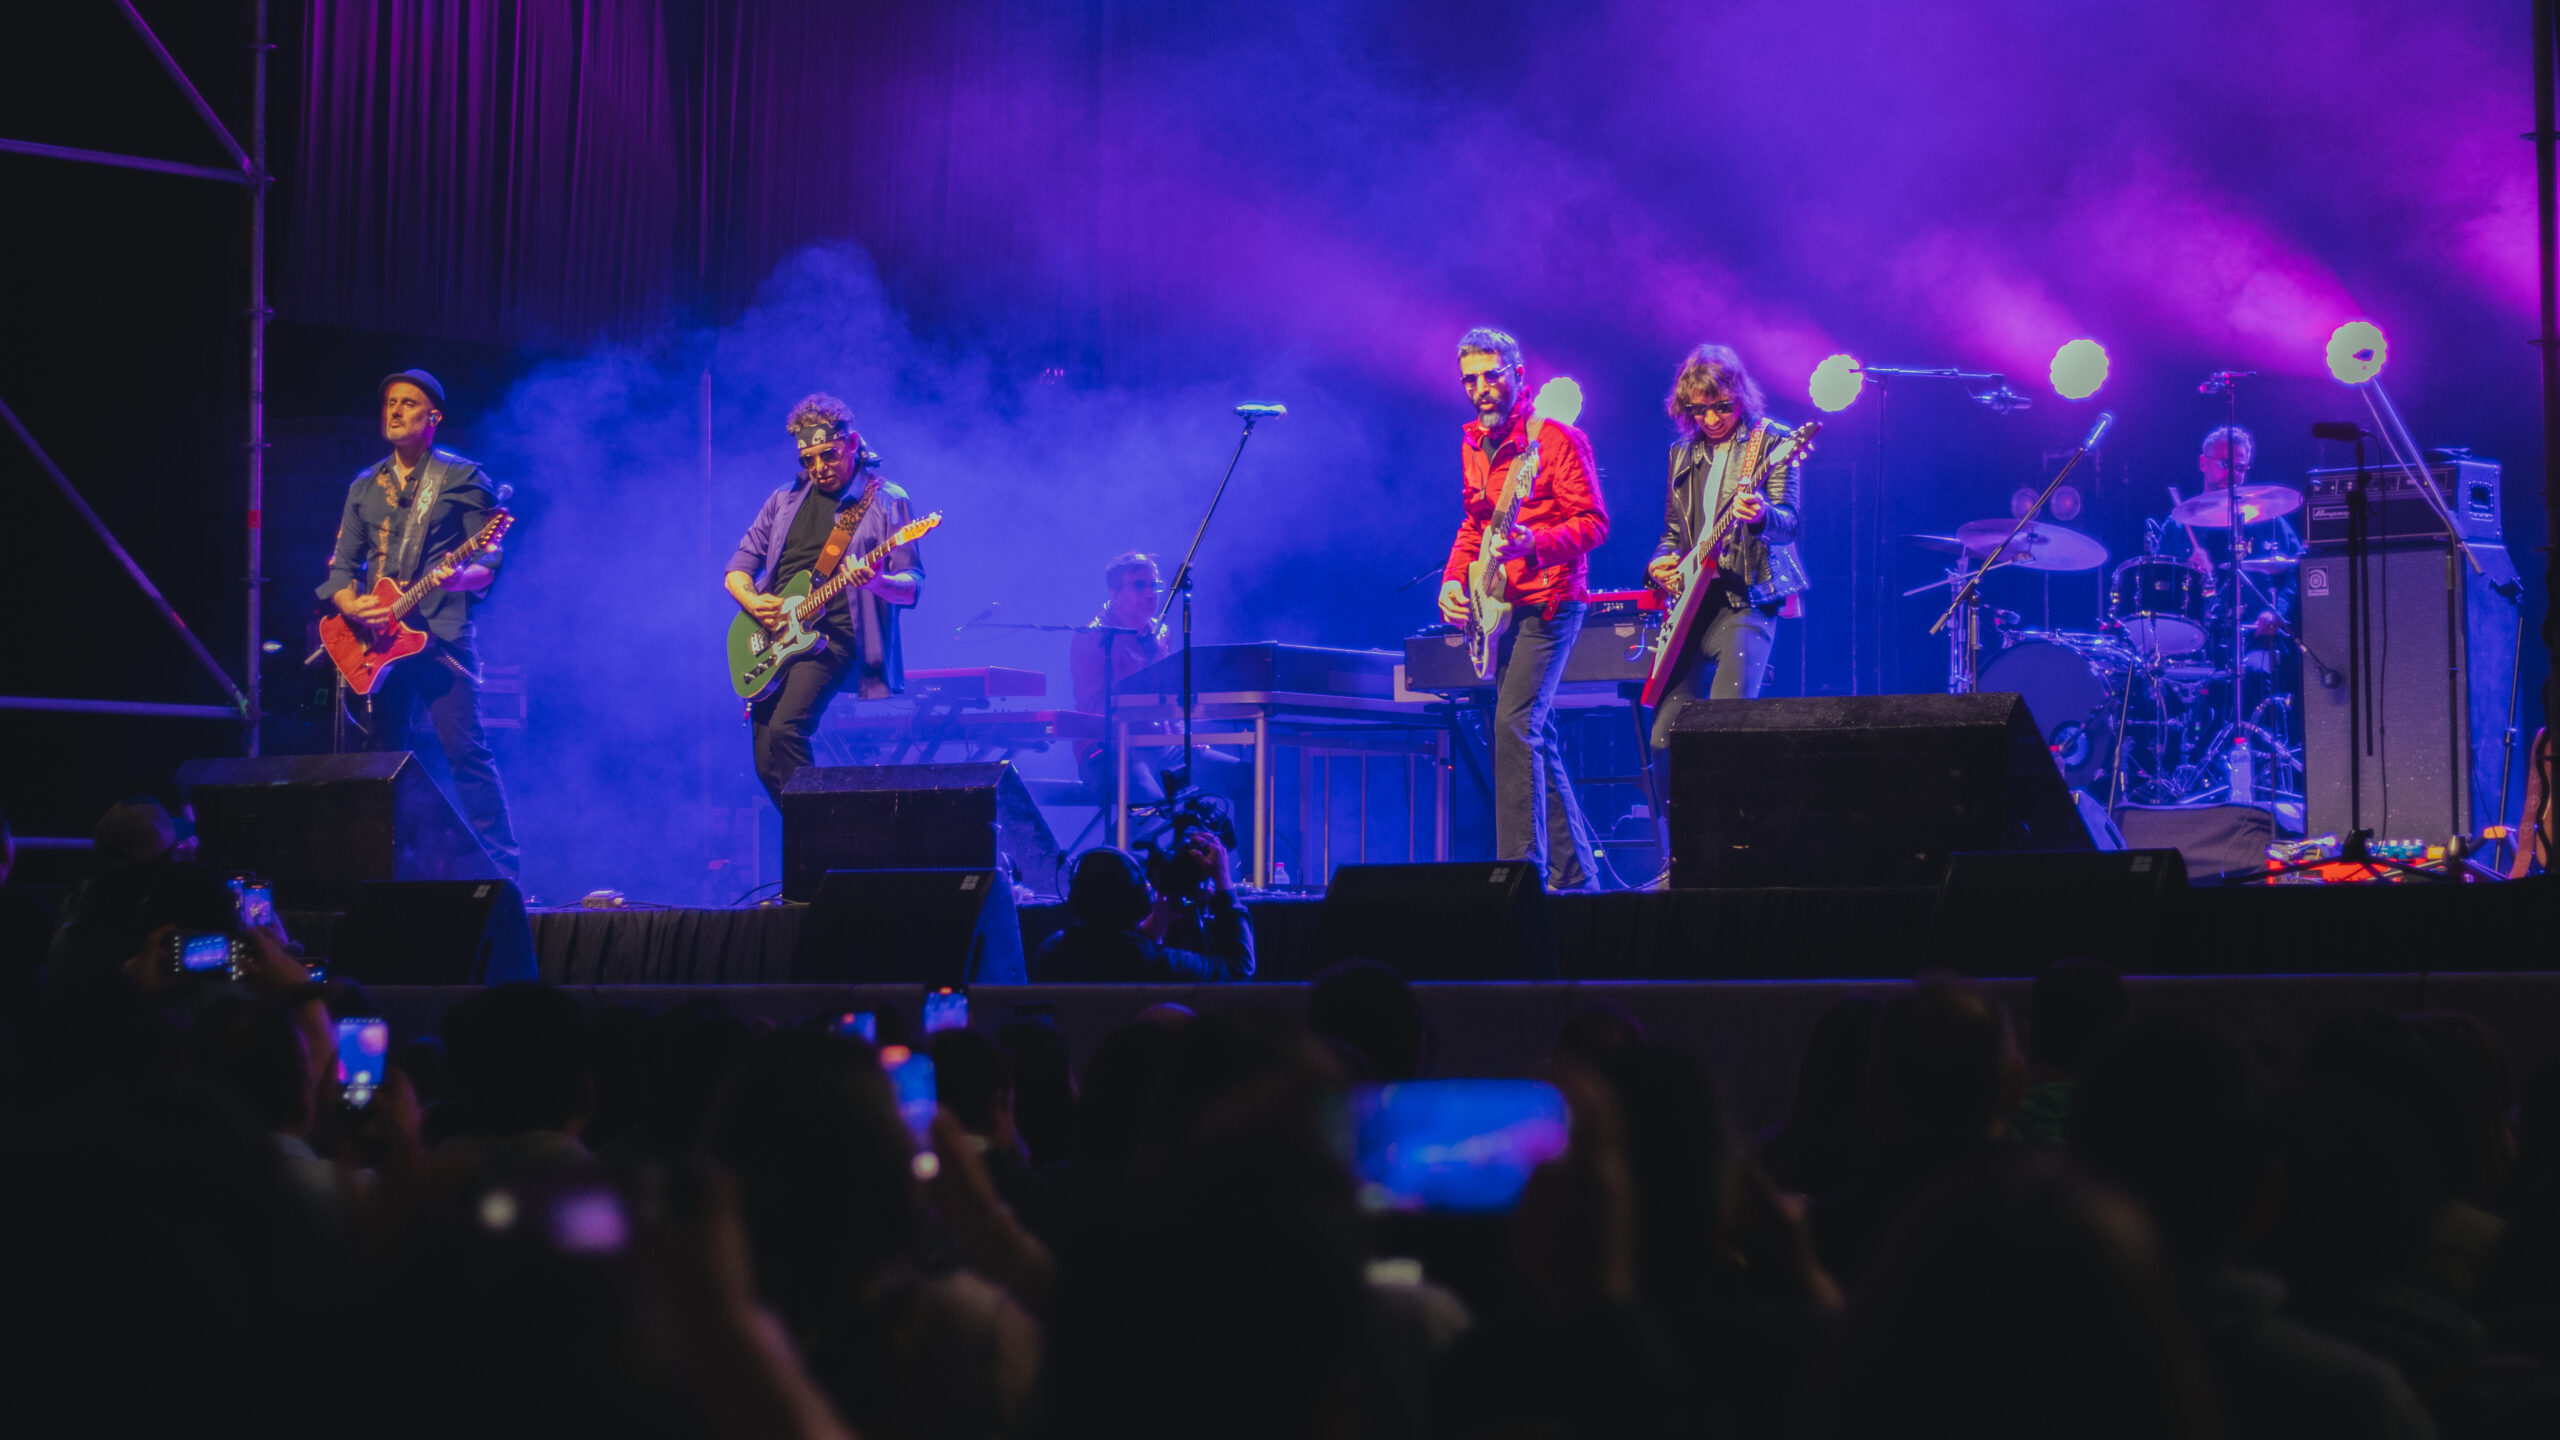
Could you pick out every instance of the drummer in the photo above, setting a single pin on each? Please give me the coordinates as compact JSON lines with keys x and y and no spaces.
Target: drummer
{"x":2227,"y":455}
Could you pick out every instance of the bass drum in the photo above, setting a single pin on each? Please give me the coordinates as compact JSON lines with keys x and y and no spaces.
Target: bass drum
{"x":2073,"y":706}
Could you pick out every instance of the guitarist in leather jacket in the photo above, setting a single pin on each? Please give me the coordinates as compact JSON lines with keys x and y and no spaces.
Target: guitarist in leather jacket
{"x":403,"y":513}
{"x":1718,"y":407}
{"x":1545,"y":556}
{"x":824,"y":509}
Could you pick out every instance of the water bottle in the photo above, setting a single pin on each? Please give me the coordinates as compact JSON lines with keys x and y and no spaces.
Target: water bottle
{"x":2243,"y":775}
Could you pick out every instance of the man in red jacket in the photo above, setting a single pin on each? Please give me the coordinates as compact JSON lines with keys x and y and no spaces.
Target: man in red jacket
{"x":1561,"y":521}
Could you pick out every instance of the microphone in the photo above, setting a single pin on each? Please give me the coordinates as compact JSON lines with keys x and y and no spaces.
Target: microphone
{"x":2001,"y":400}
{"x":2221,"y":380}
{"x":2346,"y":430}
{"x":2098,"y":431}
{"x":992,"y":607}
{"x":1261,"y":412}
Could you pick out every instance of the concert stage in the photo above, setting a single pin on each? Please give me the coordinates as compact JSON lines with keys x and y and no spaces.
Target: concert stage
{"x":1759,"y":934}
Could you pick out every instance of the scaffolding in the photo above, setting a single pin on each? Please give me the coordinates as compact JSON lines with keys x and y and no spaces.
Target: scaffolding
{"x":248,"y":168}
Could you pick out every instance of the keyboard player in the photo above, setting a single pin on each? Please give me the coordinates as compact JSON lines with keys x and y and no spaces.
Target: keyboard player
{"x":1136,"y":594}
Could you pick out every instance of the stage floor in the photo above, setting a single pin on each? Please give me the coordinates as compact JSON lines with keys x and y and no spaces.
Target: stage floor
{"x":1752,"y":935}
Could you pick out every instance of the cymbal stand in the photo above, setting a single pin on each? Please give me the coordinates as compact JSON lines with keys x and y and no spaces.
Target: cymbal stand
{"x":1966,"y":641}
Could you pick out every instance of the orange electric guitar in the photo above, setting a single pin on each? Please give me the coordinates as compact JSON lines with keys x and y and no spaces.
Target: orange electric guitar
{"x":364,"y":652}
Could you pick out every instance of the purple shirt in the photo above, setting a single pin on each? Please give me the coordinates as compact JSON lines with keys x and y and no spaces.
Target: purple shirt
{"x":879,"y":668}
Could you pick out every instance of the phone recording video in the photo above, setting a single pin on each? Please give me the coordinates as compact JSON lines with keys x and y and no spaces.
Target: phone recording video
{"x":257,"y":905}
{"x":364,"y":1051}
{"x":912,"y":1076}
{"x":1453,"y":1145}
{"x":862,"y":1024}
{"x":945,"y":1009}
{"x":203,"y":955}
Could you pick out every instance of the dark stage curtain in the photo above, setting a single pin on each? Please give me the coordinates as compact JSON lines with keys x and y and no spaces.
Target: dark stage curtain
{"x":521,"y":172}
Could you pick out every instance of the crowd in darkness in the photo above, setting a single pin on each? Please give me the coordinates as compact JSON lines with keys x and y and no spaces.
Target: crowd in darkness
{"x":565,"y":1217}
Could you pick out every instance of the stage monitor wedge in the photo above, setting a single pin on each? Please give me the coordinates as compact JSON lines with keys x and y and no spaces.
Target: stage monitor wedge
{"x":1858,"y":790}
{"x":435,"y":932}
{"x":317,"y":827}
{"x":924,"y":927}
{"x":1465,"y":920}
{"x":906,"y":817}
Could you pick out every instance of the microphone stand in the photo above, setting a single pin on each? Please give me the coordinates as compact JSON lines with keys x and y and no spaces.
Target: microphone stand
{"x":1182,"y":587}
{"x":1969,"y":640}
{"x":1957,"y":683}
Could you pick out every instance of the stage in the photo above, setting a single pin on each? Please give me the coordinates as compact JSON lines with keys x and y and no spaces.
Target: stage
{"x":1758,"y":934}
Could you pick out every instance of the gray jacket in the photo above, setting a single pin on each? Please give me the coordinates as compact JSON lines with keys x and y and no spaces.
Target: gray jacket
{"x":1761,"y":555}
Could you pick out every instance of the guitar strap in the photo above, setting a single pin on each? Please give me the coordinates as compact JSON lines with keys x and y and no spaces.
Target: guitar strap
{"x":1746,"y":463}
{"x":402,"y":563}
{"x":840,"y":539}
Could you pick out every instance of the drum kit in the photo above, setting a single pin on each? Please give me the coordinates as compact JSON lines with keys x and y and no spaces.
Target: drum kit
{"x":2175,"y":697}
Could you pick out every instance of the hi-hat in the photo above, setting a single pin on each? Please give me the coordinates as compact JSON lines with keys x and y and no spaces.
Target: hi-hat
{"x":2038,"y":547}
{"x":2212,"y":509}
{"x":2270,"y":564}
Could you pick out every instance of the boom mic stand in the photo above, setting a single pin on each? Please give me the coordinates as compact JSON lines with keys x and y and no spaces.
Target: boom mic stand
{"x":1181,"y":587}
{"x":1968,"y":639}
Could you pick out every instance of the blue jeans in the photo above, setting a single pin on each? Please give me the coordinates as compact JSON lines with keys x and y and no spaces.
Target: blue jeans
{"x":1535,"y":814}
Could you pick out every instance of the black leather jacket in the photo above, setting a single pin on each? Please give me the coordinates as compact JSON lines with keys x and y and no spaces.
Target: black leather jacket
{"x":1761,"y":555}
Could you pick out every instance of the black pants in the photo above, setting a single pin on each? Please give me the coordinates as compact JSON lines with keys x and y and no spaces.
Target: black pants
{"x":1535,"y":814}
{"x":784,"y":720}
{"x":444,"y":680}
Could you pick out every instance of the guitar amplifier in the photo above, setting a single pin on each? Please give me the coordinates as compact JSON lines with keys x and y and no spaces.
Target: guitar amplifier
{"x":2396,"y":509}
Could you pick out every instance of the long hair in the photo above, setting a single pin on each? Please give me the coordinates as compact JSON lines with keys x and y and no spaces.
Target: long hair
{"x":1708,"y":371}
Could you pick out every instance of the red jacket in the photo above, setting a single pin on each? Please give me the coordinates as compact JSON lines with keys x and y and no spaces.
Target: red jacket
{"x":1564,"y":514}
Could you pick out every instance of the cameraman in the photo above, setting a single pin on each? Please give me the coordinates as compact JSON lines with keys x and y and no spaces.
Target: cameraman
{"x":1116,"y":924}
{"x":1196,"y":907}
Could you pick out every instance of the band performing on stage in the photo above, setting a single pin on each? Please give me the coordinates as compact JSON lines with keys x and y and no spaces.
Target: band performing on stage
{"x":2185,"y":692}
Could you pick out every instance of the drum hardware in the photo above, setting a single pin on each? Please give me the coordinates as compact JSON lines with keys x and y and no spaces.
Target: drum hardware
{"x":2253,"y":504}
{"x":2160,"y":602}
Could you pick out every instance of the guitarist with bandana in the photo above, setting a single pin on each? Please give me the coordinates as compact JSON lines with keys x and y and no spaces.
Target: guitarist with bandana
{"x":831,"y":515}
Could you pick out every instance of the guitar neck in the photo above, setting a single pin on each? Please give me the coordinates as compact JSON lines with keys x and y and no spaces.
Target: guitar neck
{"x":818,"y":599}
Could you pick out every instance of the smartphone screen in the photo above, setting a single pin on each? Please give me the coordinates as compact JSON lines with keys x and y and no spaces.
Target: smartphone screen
{"x":864,"y":1024}
{"x":257,"y":905}
{"x":204,"y":954}
{"x":946,"y":1009}
{"x":912,"y":1075}
{"x":364,"y":1048}
{"x":1456,"y":1145}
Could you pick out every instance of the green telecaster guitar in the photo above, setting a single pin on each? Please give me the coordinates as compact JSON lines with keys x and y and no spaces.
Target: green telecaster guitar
{"x":757,"y":656}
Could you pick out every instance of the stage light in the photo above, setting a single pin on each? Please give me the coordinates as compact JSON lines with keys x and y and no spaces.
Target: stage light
{"x":1836,"y":383}
{"x":2357,"y":351}
{"x":1560,"y":400}
{"x":2078,"y":369}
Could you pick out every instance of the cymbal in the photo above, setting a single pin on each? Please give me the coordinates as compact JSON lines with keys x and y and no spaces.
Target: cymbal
{"x":2038,"y":547}
{"x":2270,"y":564}
{"x":1949,"y":543}
{"x":2212,"y":509}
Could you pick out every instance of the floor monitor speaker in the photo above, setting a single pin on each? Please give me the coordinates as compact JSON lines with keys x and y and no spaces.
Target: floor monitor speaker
{"x":894,"y":817}
{"x":925,"y":927}
{"x":435,"y":932}
{"x":1469,"y":920}
{"x":1858,"y":790}
{"x":317,"y":827}
{"x":2015,"y":912}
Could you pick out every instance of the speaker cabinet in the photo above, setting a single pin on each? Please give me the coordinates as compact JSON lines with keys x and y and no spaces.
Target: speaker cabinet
{"x":926,"y":927}
{"x":898,"y":817}
{"x":318,"y":827}
{"x":1858,"y":790}
{"x":2409,"y":740}
{"x":435,"y":932}
{"x":2015,"y":913}
{"x":1471,"y":920}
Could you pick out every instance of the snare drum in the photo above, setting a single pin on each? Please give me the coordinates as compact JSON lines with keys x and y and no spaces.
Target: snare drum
{"x":2159,"y":602}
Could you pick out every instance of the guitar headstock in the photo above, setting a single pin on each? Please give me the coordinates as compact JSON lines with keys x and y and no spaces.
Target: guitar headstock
{"x":490,"y":534}
{"x":1799,"y":443}
{"x":912,"y":531}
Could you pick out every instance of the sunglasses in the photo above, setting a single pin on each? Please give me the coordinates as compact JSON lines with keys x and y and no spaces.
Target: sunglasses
{"x":1710,"y":412}
{"x":1487,"y":377}
{"x":1143,"y":584}
{"x":812,"y":459}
